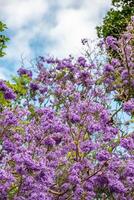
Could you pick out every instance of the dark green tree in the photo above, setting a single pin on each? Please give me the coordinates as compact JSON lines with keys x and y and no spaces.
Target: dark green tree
{"x":116,"y":19}
{"x":3,"y":38}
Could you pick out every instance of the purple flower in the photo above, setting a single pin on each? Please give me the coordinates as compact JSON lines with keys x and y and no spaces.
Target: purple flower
{"x":129,"y":170}
{"x":65,"y":186}
{"x":94,"y":127}
{"x":81,"y":61}
{"x":87,"y":146}
{"x":3,"y":86}
{"x":90,"y":195}
{"x":43,"y":90}
{"x":129,"y":106}
{"x":8,"y":146}
{"x":57,"y":139}
{"x":124,"y":74}
{"x":102,"y":180}
{"x":108,"y":68}
{"x":79,"y":191}
{"x":117,"y":186}
{"x":9,"y":94}
{"x":111,"y":42}
{"x":49,"y":141}
{"x":115,"y":62}
{"x":75,"y":118}
{"x":127,"y":143}
{"x":22,"y":71}
{"x":88,"y":186}
{"x":73,"y":178}
{"x":34,"y":86}
{"x":103,"y":155}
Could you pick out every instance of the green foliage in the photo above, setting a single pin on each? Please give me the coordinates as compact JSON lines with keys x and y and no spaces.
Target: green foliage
{"x":12,"y":192}
{"x":119,"y":3}
{"x":3,"y":39}
{"x":3,"y":101}
{"x":116,"y":20}
{"x":20,"y":84}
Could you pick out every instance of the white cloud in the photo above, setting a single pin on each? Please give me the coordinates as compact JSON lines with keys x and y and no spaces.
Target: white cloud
{"x":74,"y":24}
{"x":19,"y":13}
{"x":24,"y":18}
{"x":66,"y":3}
{"x":28,"y":19}
{"x":20,"y":43}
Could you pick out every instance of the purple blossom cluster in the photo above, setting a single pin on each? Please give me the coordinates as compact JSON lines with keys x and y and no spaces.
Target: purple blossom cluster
{"x":70,"y":144}
{"x":51,"y":157}
{"x":129,"y":106}
{"x":119,"y":72}
{"x":22,"y":71}
{"x":7,"y":92}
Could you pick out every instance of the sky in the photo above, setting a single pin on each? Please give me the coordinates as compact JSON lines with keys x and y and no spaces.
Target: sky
{"x":47,"y":27}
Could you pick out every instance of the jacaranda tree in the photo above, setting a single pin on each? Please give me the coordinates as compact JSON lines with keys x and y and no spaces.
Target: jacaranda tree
{"x":66,"y":128}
